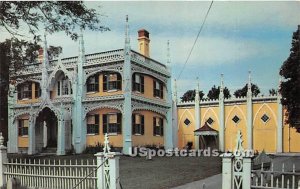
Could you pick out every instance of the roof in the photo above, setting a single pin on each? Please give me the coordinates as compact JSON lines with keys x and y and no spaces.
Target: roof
{"x":205,"y":130}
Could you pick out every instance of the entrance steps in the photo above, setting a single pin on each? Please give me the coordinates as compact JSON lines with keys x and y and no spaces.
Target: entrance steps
{"x":49,"y":151}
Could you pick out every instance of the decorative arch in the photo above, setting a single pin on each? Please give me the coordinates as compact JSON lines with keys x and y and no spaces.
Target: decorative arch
{"x":152,"y":109}
{"x":207,"y":111}
{"x":18,"y":115}
{"x":58,"y":69}
{"x":268,"y":107}
{"x":101,"y":71}
{"x":102,"y":106}
{"x":182,"y":116}
{"x":240,"y":110}
{"x":28,"y":80}
{"x":164,"y":81}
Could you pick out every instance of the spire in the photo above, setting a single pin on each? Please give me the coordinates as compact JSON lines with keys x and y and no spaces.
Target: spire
{"x":45,"y":52}
{"x":45,"y":64}
{"x":127,"y":38}
{"x":12,"y":65}
{"x":221,"y":95}
{"x":197,"y":97}
{"x":279,"y":87}
{"x":168,"y":53}
{"x":249,"y":85}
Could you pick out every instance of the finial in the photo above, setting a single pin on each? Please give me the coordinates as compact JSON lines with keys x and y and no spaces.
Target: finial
{"x":249,"y":82}
{"x":222,"y":81}
{"x":126,"y":18}
{"x":1,"y":140}
{"x":127,"y":38}
{"x":198,"y":84}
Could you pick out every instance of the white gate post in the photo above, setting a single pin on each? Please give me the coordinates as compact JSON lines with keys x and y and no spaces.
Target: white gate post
{"x":226,"y":170}
{"x":3,"y":160}
{"x":100,"y":170}
{"x":246,"y":172}
{"x":113,"y":161}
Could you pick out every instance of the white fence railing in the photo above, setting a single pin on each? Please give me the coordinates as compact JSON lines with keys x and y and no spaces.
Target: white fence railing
{"x":237,"y":172}
{"x":99,"y":173}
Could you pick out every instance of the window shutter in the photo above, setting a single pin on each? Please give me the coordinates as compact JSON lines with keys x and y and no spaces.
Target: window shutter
{"x":104,"y":120}
{"x":97,"y":123}
{"x":119,"y":81}
{"x":97,"y":82}
{"x":161,"y":90}
{"x":154,"y":87}
{"x":133,"y":124}
{"x":105,"y":82}
{"x":154,"y":126}
{"x":119,"y":117}
{"x":133,"y":82}
{"x":142,"y":83}
{"x":161,"y":127}
{"x":19,"y":91}
{"x":30,"y":90}
{"x":142,"y":124}
{"x":20,"y":127}
{"x":58,"y":88}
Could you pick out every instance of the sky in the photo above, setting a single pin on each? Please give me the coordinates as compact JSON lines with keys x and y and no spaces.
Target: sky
{"x":237,"y":37}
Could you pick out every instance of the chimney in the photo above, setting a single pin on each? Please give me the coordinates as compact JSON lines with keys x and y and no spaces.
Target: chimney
{"x":41,"y":55}
{"x":143,"y":38}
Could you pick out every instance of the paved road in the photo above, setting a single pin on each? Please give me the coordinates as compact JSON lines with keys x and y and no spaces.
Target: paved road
{"x":213,"y":182}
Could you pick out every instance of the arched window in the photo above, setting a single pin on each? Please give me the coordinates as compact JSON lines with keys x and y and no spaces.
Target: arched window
{"x":93,"y":83}
{"x":138,"y":83}
{"x":64,"y":87}
{"x":112,"y":82}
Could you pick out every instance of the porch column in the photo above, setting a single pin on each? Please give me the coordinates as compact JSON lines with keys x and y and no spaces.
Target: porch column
{"x":12,"y":121}
{"x":61,"y":134}
{"x":226,"y":170}
{"x":127,"y":109}
{"x":31,"y":136}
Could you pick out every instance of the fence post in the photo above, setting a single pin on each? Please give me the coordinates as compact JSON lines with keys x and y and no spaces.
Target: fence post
{"x":247,"y":172}
{"x":113,"y":161}
{"x":226,"y":170}
{"x":100,"y":170}
{"x":3,"y":160}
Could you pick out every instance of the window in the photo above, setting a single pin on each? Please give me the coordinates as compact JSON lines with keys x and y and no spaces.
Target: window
{"x":187,"y":122}
{"x":93,"y":83}
{"x":158,"y":89}
{"x":138,"y":83}
{"x":210,"y":121}
{"x":37,"y":91}
{"x":236,"y":119}
{"x":25,"y":91}
{"x":265,"y":118}
{"x":23,"y":127}
{"x":93,"y":124}
{"x":158,"y":127}
{"x":138,"y":123}
{"x":112,"y":81}
{"x":64,"y":87}
{"x":112,"y":123}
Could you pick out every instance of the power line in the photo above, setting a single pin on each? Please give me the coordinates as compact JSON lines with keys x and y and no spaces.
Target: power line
{"x":189,"y":55}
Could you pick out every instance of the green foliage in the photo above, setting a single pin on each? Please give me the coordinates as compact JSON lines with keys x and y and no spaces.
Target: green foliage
{"x":214,"y":93}
{"x":272,"y":92}
{"x":290,"y":87}
{"x":243,"y":91}
{"x":56,"y":16}
{"x":190,"y":95}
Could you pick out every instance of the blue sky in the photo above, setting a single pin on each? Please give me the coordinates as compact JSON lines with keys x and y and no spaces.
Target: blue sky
{"x":237,"y":37}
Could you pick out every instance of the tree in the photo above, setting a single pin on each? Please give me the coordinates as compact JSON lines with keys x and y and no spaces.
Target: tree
{"x":54,"y":16}
{"x":214,"y":93}
{"x":272,"y":92}
{"x":290,"y":87}
{"x":243,"y":91}
{"x":190,"y":95}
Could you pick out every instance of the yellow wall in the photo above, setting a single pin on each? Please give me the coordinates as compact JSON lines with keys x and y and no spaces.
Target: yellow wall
{"x":265,"y":134}
{"x":231,"y":128}
{"x":186,"y":133}
{"x":291,"y":139}
{"x":148,"y":138}
{"x":148,"y":89}
{"x":115,"y":140}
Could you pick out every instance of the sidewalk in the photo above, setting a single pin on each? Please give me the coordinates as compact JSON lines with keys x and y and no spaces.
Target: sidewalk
{"x":213,"y":182}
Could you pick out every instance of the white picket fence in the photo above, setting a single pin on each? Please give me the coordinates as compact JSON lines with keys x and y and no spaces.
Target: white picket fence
{"x":237,"y":172}
{"x":101,"y":173}
{"x":52,"y":174}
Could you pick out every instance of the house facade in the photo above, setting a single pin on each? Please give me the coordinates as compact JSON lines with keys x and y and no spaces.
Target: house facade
{"x":71,"y":103}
